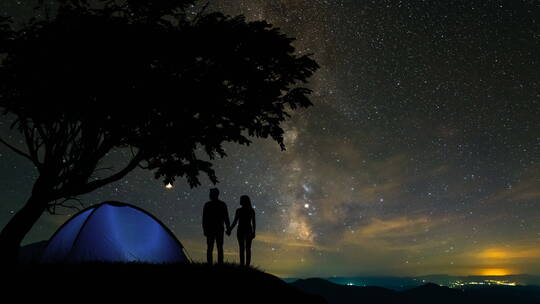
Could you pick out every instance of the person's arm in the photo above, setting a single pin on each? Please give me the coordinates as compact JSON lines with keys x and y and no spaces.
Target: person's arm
{"x":234,"y":221}
{"x":204,"y":219}
{"x":253,"y":221}
{"x":226,"y":215}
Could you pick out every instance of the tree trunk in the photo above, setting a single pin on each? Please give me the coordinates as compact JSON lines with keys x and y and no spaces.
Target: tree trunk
{"x":17,"y":228}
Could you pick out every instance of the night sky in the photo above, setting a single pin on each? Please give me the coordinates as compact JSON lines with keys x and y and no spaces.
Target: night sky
{"x":420,"y":156}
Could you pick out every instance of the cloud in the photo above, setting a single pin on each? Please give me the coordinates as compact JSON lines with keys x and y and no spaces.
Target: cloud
{"x":394,"y":233}
{"x":396,"y":227}
{"x":526,"y":189}
{"x":284,"y":240}
{"x":497,"y":254}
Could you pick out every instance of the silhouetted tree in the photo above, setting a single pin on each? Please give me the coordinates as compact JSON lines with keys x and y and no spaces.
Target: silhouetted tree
{"x":145,"y":75}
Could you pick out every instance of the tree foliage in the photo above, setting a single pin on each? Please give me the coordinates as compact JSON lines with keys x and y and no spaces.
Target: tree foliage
{"x":145,"y":75}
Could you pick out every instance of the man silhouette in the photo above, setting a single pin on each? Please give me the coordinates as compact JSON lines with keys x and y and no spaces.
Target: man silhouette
{"x":215,"y":215}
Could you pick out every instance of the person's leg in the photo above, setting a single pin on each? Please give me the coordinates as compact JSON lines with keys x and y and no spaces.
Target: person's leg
{"x":219,"y":244}
{"x":248,"y":250}
{"x":209,"y":248}
{"x":241,"y":247}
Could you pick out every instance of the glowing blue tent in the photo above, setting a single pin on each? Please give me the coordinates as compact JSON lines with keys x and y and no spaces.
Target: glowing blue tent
{"x":113,"y":232}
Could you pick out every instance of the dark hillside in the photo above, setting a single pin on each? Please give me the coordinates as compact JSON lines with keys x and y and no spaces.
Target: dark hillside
{"x":138,"y":283}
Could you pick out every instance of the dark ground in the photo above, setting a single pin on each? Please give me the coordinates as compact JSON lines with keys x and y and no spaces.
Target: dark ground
{"x":137,"y":283}
{"x":229,"y":283}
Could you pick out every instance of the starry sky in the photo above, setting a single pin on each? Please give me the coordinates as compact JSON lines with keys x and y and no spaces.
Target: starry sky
{"x":420,"y":156}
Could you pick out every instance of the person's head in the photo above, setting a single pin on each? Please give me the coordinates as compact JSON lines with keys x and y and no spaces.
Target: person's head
{"x":214,"y":193}
{"x":245,"y":201}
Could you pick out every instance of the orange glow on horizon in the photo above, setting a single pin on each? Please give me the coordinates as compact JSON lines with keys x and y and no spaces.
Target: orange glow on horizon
{"x":494,"y":272}
{"x":508,"y":253}
{"x":494,"y":254}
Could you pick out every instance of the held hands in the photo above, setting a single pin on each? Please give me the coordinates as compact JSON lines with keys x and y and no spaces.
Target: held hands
{"x":229,"y":230}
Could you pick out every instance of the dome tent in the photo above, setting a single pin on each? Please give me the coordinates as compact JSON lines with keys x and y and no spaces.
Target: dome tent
{"x":113,"y":232}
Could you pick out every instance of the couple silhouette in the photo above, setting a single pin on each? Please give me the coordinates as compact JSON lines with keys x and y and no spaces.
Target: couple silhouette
{"x":216,"y":223}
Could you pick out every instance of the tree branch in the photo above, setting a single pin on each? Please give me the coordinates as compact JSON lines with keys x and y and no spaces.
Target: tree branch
{"x":51,"y":207}
{"x":32,"y":148}
{"x":103,"y":169}
{"x":91,"y":186}
{"x":18,"y":151}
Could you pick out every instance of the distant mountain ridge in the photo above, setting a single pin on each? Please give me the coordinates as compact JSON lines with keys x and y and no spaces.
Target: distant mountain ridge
{"x":405,"y":283}
{"x":427,"y":293}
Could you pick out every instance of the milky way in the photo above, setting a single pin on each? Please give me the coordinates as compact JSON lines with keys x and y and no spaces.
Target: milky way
{"x":421,"y":154}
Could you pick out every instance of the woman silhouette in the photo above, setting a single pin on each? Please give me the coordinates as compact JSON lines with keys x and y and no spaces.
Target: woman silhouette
{"x":245,"y":217}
